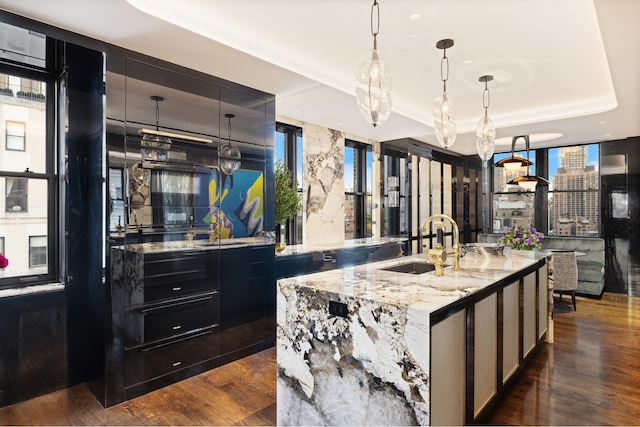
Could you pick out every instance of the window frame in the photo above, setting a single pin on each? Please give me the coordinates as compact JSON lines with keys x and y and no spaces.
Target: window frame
{"x":31,"y":254}
{"x":541,"y":204}
{"x":23,"y":136}
{"x":23,"y":210}
{"x":595,"y":192}
{"x":293,"y":161}
{"x":51,"y":79}
{"x":361,"y":192}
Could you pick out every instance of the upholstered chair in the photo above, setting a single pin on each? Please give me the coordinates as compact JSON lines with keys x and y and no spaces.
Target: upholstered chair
{"x":565,"y":274}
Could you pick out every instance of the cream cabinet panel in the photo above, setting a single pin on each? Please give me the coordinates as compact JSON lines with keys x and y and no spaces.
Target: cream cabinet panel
{"x":510,"y":330}
{"x":448,"y":372}
{"x":485,"y":352}
{"x":529,"y":314}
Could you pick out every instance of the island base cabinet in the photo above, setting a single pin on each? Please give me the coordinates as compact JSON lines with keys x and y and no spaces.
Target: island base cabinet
{"x":448,"y":370}
{"x":478,"y":348}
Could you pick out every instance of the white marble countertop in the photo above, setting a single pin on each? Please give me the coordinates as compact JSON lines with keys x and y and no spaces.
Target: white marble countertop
{"x":353,"y":243}
{"x":417,"y":291}
{"x":195,"y":245}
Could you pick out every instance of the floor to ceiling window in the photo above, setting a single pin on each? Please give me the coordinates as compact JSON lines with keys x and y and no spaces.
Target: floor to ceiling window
{"x":574,"y":195}
{"x":289,"y":152}
{"x":572,"y":206}
{"x":357,"y":184}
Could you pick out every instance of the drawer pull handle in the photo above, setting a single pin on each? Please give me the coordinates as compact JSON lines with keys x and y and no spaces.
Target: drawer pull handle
{"x":206,"y":331}
{"x":177,"y":288}
{"x":175,"y":328}
{"x":190,"y":301}
{"x":177,"y":364}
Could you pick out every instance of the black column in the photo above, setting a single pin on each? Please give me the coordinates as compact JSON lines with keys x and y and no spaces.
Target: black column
{"x":84,"y":213}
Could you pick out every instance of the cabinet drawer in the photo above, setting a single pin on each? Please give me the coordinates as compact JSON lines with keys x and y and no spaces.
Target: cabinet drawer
{"x":180,"y":288}
{"x":179,"y":317}
{"x":176,"y":267}
{"x":146,"y":363}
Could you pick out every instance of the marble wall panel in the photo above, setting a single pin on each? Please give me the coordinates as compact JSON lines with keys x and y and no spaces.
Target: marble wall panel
{"x":323,"y":164}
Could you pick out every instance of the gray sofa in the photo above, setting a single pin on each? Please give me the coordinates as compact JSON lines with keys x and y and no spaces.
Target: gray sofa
{"x":590,"y":266}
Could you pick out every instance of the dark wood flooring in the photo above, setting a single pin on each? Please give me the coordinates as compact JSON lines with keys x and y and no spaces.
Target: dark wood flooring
{"x":589,"y":376}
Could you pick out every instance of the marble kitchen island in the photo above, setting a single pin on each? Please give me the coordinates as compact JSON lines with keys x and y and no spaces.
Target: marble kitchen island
{"x":367,"y":345}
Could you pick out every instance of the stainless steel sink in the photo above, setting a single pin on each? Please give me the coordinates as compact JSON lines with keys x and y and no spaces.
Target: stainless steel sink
{"x":414,"y":267}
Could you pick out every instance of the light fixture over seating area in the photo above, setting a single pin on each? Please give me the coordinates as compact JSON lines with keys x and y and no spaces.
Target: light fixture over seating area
{"x":526,"y":182}
{"x":514,"y":162}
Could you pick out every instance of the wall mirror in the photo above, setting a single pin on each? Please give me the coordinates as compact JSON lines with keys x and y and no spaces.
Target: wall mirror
{"x":164,"y":132}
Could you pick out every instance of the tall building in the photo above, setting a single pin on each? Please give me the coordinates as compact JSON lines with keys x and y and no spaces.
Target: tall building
{"x":573,"y":157}
{"x":575,"y":204}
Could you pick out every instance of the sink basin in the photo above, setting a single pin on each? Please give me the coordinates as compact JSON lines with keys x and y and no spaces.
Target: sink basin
{"x":412,"y":267}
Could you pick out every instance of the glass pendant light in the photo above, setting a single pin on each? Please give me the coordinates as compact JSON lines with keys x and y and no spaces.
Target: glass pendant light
{"x":444,"y":118}
{"x":229,"y":154}
{"x":486,"y":131}
{"x":156,"y":140}
{"x":373,"y":80}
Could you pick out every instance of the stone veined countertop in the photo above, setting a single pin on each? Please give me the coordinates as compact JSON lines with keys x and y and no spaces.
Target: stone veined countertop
{"x":370,"y":365}
{"x":419,"y":291}
{"x":195,"y":245}
{"x":347,"y":244}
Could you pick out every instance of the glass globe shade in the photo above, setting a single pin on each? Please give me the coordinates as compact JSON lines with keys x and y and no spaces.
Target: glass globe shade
{"x":156,"y":141}
{"x":229,"y":159}
{"x":485,"y":138}
{"x":373,"y":88}
{"x":444,"y":121}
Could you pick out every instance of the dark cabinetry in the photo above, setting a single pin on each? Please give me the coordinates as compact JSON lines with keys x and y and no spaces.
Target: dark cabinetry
{"x":182,"y":312}
{"x":171,"y":323}
{"x":247,"y":298}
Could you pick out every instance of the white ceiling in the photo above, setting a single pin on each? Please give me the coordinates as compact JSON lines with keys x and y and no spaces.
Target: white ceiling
{"x":568,"y":67}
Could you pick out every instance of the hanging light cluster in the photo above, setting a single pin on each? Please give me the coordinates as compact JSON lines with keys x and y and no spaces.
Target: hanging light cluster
{"x":373,"y":88}
{"x":486,"y":131}
{"x":444,"y":118}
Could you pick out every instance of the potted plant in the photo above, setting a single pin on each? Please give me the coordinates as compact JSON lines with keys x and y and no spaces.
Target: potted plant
{"x":288,"y":202}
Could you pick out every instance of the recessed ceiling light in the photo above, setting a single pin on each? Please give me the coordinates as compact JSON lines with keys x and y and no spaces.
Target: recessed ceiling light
{"x":468,"y":62}
{"x":607,"y":134}
{"x":534,"y":137}
{"x":602,"y":123}
{"x":415,"y":17}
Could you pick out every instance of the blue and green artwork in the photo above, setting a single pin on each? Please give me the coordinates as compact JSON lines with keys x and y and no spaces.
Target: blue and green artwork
{"x":235,"y":204}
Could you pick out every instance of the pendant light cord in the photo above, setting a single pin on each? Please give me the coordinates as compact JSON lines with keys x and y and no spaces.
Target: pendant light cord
{"x":486,"y":97}
{"x":444,"y":69}
{"x":375,"y":7}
